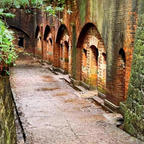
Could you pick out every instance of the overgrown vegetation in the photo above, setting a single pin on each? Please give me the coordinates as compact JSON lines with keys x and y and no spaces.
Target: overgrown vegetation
{"x":50,"y":6}
{"x":7,"y":51}
{"x":20,"y":3}
{"x":30,"y":3}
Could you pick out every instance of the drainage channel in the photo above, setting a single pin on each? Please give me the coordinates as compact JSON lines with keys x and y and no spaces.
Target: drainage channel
{"x":18,"y":119}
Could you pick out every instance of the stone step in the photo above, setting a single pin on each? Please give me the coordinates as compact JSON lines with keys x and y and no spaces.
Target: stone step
{"x":81,"y":88}
{"x":100,"y":101}
{"x":89,"y":94}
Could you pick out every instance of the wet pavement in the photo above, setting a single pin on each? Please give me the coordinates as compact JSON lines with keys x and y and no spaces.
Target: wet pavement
{"x":52,"y":112}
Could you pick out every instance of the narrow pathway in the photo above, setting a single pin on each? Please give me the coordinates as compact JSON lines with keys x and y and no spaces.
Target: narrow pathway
{"x":52,"y":113}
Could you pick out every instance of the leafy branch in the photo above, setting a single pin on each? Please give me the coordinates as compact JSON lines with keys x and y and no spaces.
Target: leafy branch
{"x":7,"y":51}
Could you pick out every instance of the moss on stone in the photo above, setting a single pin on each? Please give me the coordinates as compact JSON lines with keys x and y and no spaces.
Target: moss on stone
{"x":82,"y":8}
{"x":7,"y":123}
{"x":133,"y":108}
{"x":74,"y":51}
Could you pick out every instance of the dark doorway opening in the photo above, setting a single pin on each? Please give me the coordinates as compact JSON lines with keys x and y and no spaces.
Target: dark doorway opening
{"x":95,"y":55}
{"x":50,"y":40}
{"x":21,"y":42}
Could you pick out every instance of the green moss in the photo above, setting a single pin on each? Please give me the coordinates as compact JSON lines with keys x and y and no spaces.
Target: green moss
{"x":7,"y":123}
{"x":133,"y":108}
{"x":74,"y":51}
{"x":82,"y":9}
{"x":102,"y":90}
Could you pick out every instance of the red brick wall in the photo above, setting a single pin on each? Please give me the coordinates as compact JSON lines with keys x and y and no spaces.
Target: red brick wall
{"x":92,"y":64}
{"x":63,"y":50}
{"x":109,"y":28}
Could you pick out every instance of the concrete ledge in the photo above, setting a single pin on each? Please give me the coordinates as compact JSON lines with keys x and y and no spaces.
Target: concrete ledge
{"x":112,"y":106}
{"x":59,"y":70}
{"x":85,"y":85}
{"x":101,"y":95}
{"x":75,"y":82}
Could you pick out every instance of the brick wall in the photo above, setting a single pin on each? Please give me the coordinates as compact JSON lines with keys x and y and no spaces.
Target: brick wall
{"x":92,"y":63}
{"x":63,"y":49}
{"x":123,"y":33}
{"x":7,"y":120}
{"x":114,"y":23}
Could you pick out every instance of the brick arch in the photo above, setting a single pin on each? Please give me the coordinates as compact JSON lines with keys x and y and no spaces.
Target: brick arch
{"x":84,"y":31}
{"x":48,"y":45}
{"x":38,"y":37}
{"x":22,"y":39}
{"x":62,"y":52}
{"x":120,"y":77}
{"x":90,"y":42}
{"x":18,"y":29}
{"x":62,"y":29}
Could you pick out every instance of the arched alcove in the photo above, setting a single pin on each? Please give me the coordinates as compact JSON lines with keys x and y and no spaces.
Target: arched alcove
{"x":89,"y":54}
{"x":46,"y":33}
{"x":38,"y":37}
{"x":120,"y":77}
{"x":21,"y":42}
{"x":22,"y":39}
{"x":47,"y":45}
{"x":104,"y":57}
{"x":62,"y":49}
{"x":37,"y":31}
{"x":94,"y":54}
{"x":122,"y":55}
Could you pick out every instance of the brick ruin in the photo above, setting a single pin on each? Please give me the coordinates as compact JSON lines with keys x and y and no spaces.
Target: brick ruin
{"x":94,"y":44}
{"x":91,"y":58}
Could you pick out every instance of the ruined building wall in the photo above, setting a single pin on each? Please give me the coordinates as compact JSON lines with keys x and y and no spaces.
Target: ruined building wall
{"x":7,"y":120}
{"x":25,"y":24}
{"x":133,"y":108}
{"x":108,"y":26}
{"x":121,"y":18}
{"x":115,"y":22}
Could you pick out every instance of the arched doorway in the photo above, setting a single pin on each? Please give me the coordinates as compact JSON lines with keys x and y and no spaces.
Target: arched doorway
{"x":120,"y":77}
{"x":22,"y":39}
{"x":21,"y":42}
{"x":94,"y":66}
{"x":48,"y":45}
{"x":62,"y":49}
{"x":91,"y":67}
{"x":38,"y":48}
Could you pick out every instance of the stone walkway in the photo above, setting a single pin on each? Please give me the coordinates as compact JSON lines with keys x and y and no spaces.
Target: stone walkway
{"x":52,"y":113}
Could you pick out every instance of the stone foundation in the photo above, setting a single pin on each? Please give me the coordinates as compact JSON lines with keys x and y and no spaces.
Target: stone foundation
{"x":7,"y":122}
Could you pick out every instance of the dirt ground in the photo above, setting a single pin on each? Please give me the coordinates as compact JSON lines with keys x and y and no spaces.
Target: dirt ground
{"x":52,"y":112}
